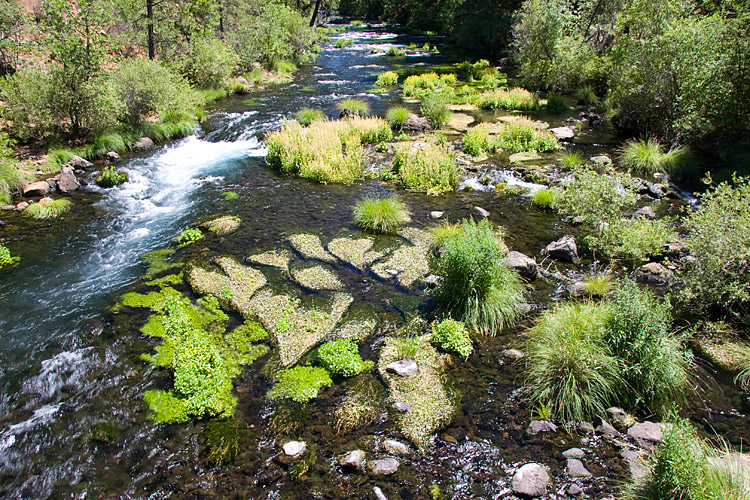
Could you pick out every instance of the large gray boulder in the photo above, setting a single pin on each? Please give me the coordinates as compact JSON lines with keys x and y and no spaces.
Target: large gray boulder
{"x":647,"y":435}
{"x":531,"y":480}
{"x":143,"y":144}
{"x":66,"y":180}
{"x":564,"y":249}
{"x":522,"y":264}
{"x":79,"y":163}
{"x":38,"y":188}
{"x":416,"y":124}
{"x":563,"y":133}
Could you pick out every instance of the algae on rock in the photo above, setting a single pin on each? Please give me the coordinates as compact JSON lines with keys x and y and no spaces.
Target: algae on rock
{"x":273,"y":258}
{"x":358,"y":252}
{"x":407,"y":264}
{"x":317,"y":277}
{"x":309,"y":247}
{"x":225,"y":224}
{"x":234,"y":288}
{"x":362,"y":405}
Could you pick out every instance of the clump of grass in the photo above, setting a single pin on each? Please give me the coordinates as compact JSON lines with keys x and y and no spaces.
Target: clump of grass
{"x":475,"y":286}
{"x":11,"y":179}
{"x":48,"y":210}
{"x":380,"y":215}
{"x":476,"y":140}
{"x":306,"y":116}
{"x":397,"y":116}
{"x":103,"y":144}
{"x":300,"y":384}
{"x":351,"y":107}
{"x":361,"y":406}
{"x":506,"y":190}
{"x":343,"y":42}
{"x":556,"y":103}
{"x":599,"y":285}
{"x":341,"y":357}
{"x":451,"y":335}
{"x":387,"y":79}
{"x":587,"y":96}
{"x":647,"y":156}
{"x":523,"y":134}
{"x":59,"y":157}
{"x":394,"y":51}
{"x":6,"y":259}
{"x":431,"y":169}
{"x":544,"y":198}
{"x":111,"y":177}
{"x":435,"y":109}
{"x":517,"y":98}
{"x":230,"y":195}
{"x":571,"y":160}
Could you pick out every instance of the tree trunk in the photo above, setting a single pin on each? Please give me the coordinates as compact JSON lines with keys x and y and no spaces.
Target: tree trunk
{"x":150,"y":21}
{"x":315,"y":13}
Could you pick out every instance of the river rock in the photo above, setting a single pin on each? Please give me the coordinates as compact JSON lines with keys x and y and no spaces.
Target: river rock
{"x":563,"y":133}
{"x":403,"y":367}
{"x":576,"y":468}
{"x":111,"y":156}
{"x":646,"y":212}
{"x":241,"y":80}
{"x":77,"y":162}
{"x":8,"y":207}
{"x":481,"y":212}
{"x":606,"y":429}
{"x":416,"y":124}
{"x":22,"y":206}
{"x":384,"y":467}
{"x":630,"y":455}
{"x":352,"y":459}
{"x":595,"y":120}
{"x":38,"y":188}
{"x":564,"y":249}
{"x":652,"y":189}
{"x":647,"y":435}
{"x":530,"y":480}
{"x":576,"y":289}
{"x":396,"y":447}
{"x":537,"y":426}
{"x":618,"y":415}
{"x":401,"y":406}
{"x":574,"y":453}
{"x":143,"y":144}
{"x":653,"y":272}
{"x":436,"y":214}
{"x":522,"y":264}
{"x":574,"y":490}
{"x":379,"y":495}
{"x":66,"y":180}
{"x":294,"y":448}
{"x":513,"y":353}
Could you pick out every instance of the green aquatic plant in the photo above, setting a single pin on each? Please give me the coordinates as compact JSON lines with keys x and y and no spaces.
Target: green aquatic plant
{"x":571,"y":160}
{"x":397,"y":116}
{"x":48,"y":209}
{"x":380,"y":215}
{"x":451,"y":335}
{"x":387,"y":79}
{"x":189,"y":236}
{"x":224,"y":440}
{"x":341,"y":357}
{"x":353,"y":107}
{"x":362,"y":405}
{"x":6,"y":259}
{"x":111,"y":177}
{"x":300,"y":383}
{"x":431,"y":169}
{"x":306,"y":116}
{"x":523,"y":134}
{"x":556,"y":103}
{"x":544,"y":198}
{"x":343,"y":42}
{"x":230,"y":195}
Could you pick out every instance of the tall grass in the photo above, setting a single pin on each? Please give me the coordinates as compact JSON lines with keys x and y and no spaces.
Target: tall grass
{"x":306,"y":116}
{"x":648,"y":156}
{"x":544,"y":198}
{"x":380,"y":215}
{"x":435,"y":109}
{"x":49,"y":210}
{"x":556,"y":103}
{"x":397,"y":116}
{"x":11,"y":180}
{"x":524,"y":135}
{"x":476,"y":140}
{"x":587,"y":96}
{"x":353,"y":107}
{"x":517,"y":98}
{"x":431,"y":169}
{"x":571,"y":160}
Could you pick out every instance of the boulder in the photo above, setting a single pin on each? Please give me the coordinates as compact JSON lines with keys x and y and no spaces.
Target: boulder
{"x":595,"y":120}
{"x":647,"y":435}
{"x":396,"y":447}
{"x":39,"y":188}
{"x":653,"y":272}
{"x":379,"y":495}
{"x":564,"y":249}
{"x":618,"y":415}
{"x":22,"y":206}
{"x":652,"y":189}
{"x":143,"y":144}
{"x":8,"y":207}
{"x":111,"y":156}
{"x":401,"y":407}
{"x":66,"y":180}
{"x":574,"y":453}
{"x":646,"y":212}
{"x":607,"y":430}
{"x":576,"y":468}
{"x":563,"y":133}
{"x":530,"y":480}
{"x":403,"y":367}
{"x":522,"y":264}
{"x":416,"y":124}
{"x":384,"y":467}
{"x":574,"y":490}
{"x":78,"y":162}
{"x":352,"y":459}
{"x":294,"y":448}
{"x":537,"y":426}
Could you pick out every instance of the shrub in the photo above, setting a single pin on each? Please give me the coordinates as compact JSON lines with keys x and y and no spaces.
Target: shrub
{"x":341,"y":357}
{"x":569,"y":366}
{"x":428,"y":84}
{"x":476,"y":140}
{"x":633,"y":241}
{"x":387,"y":79}
{"x":353,"y":107}
{"x":556,"y":103}
{"x":544,"y":198}
{"x":189,"y":236}
{"x":6,"y":259}
{"x":380,"y":215}
{"x":11,"y":179}
{"x":587,"y":96}
{"x":300,"y":384}
{"x":475,"y":286}
{"x":435,"y":109}
{"x":517,"y":98}
{"x":306,"y":116}
{"x":209,"y":63}
{"x":524,"y":135}
{"x":597,"y":197}
{"x":27,"y":104}
{"x":397,"y":116}
{"x":394,"y":51}
{"x":451,"y":335}
{"x":111,"y":177}
{"x":430,"y":169}
{"x":647,"y":156}
{"x":48,"y":210}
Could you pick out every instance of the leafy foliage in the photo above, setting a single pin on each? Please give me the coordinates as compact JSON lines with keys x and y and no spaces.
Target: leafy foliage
{"x":6,"y":259}
{"x":111,"y":177}
{"x":387,"y":79}
{"x":300,"y":383}
{"x":632,"y":240}
{"x":189,"y":236}
{"x":380,"y":215}
{"x":451,"y":335}
{"x":341,"y":357}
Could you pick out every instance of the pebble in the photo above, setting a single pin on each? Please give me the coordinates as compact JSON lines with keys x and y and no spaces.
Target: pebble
{"x":352,"y":459}
{"x":513,"y":353}
{"x":294,"y":448}
{"x":401,"y":406}
{"x":537,"y":426}
{"x":384,"y":467}
{"x":481,"y":212}
{"x":574,"y":453}
{"x":574,"y":490}
{"x":403,"y":367}
{"x":396,"y":447}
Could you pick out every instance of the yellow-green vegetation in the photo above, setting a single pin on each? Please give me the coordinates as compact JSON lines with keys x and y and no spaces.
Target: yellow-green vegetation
{"x":387,"y":79}
{"x":427,"y":168}
{"x":6,"y":259}
{"x":723,"y":345}
{"x":300,"y":384}
{"x":413,"y":261}
{"x":432,"y":402}
{"x":513,"y":99}
{"x":168,"y":280}
{"x":647,"y":156}
{"x":475,"y":286}
{"x":326,"y":151}
{"x":397,"y":116}
{"x":343,"y":42}
{"x":230,"y":195}
{"x":357,"y":252}
{"x":189,"y":236}
{"x":380,"y":215}
{"x":556,"y":103}
{"x":223,"y":225}
{"x":351,"y":107}
{"x":481,"y":71}
{"x":158,"y":261}
{"x":317,"y":277}
{"x":310,"y":247}
{"x":341,"y":357}
{"x":451,"y":335}
{"x":544,"y":198}
{"x":586,"y":96}
{"x":599,"y":284}
{"x":417,"y":237}
{"x":571,"y":160}
{"x":306,"y":116}
{"x":272,"y":258}
{"x":521,"y":134}
{"x":111,"y":177}
{"x":427,"y":84}
{"x":234,"y":286}
{"x":362,"y":405}
{"x":48,"y":208}
{"x":632,"y":241}
{"x":476,"y":140}
{"x":12,"y":178}
{"x":435,"y":107}
{"x":505,"y":190}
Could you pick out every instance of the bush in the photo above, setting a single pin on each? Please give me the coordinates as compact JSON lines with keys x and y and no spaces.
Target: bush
{"x":524,"y":135}
{"x":48,"y":210}
{"x":587,"y":96}
{"x":597,"y":197}
{"x":556,"y":104}
{"x":341,"y":357}
{"x":430,"y":169}
{"x":387,"y":79}
{"x":476,"y":140}
{"x":306,"y":116}
{"x":451,"y":335}
{"x":397,"y":116}
{"x":427,"y":84}
{"x":111,"y":177}
{"x":569,"y":366}
{"x":27,"y":104}
{"x":435,"y":109}
{"x":633,"y":241}
{"x":513,"y":99}
{"x":209,"y":64}
{"x":189,"y":236}
{"x":474,"y":286}
{"x":380,"y":215}
{"x":544,"y":198}
{"x":353,"y":107}
{"x":300,"y":384}
{"x":6,"y":260}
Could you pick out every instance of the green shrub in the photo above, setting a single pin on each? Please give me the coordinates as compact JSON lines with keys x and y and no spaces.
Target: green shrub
{"x":632,"y":240}
{"x":394,"y":51}
{"x":647,"y":156}
{"x":544,"y":198}
{"x":436,"y":109}
{"x":476,"y":140}
{"x":189,"y":236}
{"x":209,"y":63}
{"x":430,"y":169}
{"x":524,"y":134}
{"x":111,"y":177}
{"x":597,"y":197}
{"x":300,"y":384}
{"x":556,"y":103}
{"x":599,"y":285}
{"x":48,"y":210}
{"x":353,"y":107}
{"x":387,"y":79}
{"x":587,"y":96}
{"x":397,"y":116}
{"x":427,"y":84}
{"x":380,"y":215}
{"x":475,"y":287}
{"x":341,"y":357}
{"x":284,"y":67}
{"x":11,"y":179}
{"x":517,"y":98}
{"x":451,"y":335}
{"x":343,"y":42}
{"x":306,"y":116}
{"x":6,"y":260}
{"x":569,"y":366}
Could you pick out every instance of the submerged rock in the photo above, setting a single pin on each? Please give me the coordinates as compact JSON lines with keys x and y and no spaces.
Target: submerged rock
{"x":413,"y":261}
{"x":352,"y":459}
{"x":317,"y":277}
{"x":234,"y":288}
{"x":226,"y":224}
{"x":396,"y":447}
{"x":309,"y":247}
{"x":384,"y":467}
{"x":294,"y":448}
{"x":481,"y":212}
{"x":111,"y":156}
{"x":647,"y":435}
{"x":436,"y":214}
{"x":274,"y":258}
{"x":530,"y":480}
{"x":537,"y":426}
{"x":522,"y":264}
{"x":379,"y":495}
{"x":357,"y":252}
{"x":403,"y":367}
{"x":575,"y":468}
{"x":564,"y":249}
{"x":143,"y":144}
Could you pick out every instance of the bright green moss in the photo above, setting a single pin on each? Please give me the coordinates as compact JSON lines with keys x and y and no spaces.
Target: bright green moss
{"x":151,"y":300}
{"x":168,"y":280}
{"x":167,"y":408}
{"x":451,"y":335}
{"x":341,"y":357}
{"x":300,"y":384}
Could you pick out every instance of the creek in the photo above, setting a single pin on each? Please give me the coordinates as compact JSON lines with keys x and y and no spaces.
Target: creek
{"x":73,"y":423}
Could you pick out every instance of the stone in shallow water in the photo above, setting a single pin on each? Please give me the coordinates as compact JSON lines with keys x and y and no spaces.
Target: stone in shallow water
{"x":396,"y":447}
{"x":481,"y":212}
{"x":357,"y":252}
{"x":384,"y":467}
{"x":537,"y":426}
{"x":513,"y":353}
{"x":574,"y":453}
{"x":564,"y":249}
{"x":574,"y":490}
{"x":436,"y":214}
{"x":607,"y":430}
{"x":417,"y":237}
{"x":355,"y":329}
{"x":576,"y":468}
{"x":530,"y":480}
{"x":309,"y":247}
{"x":274,"y":258}
{"x":317,"y":277}
{"x":522,"y":264}
{"x":234,"y":288}
{"x":402,"y":407}
{"x":352,"y":459}
{"x":294,"y":448}
{"x":226,"y":224}
{"x":403,"y":367}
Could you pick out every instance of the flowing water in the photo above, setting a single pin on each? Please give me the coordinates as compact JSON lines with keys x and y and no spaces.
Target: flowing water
{"x":72,"y":420}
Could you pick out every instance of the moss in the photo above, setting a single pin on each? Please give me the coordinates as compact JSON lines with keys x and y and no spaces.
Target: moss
{"x":167,"y":408}
{"x":234,"y":288}
{"x":356,"y":329}
{"x":103,"y":432}
{"x":168,"y":280}
{"x":274,"y":258}
{"x":223,"y":225}
{"x":158,"y":261}
{"x":417,"y":237}
{"x":362,"y":405}
{"x":151,"y":300}
{"x":341,"y":357}
{"x":300,"y":383}
{"x":722,"y":345}
{"x":317,"y":277}
{"x":413,"y":260}
{"x":309,"y":247}
{"x":189,"y":236}
{"x":355,"y":252}
{"x":154,"y":327}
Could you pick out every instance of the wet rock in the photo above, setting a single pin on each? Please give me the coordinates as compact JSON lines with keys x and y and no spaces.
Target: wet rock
{"x":629,"y":455}
{"x":111,"y":156}
{"x":586,"y":426}
{"x":577,"y":220}
{"x":522,"y":264}
{"x":563,"y":133}
{"x":638,"y":470}
{"x":574,"y":453}
{"x":564,"y":249}
{"x":574,"y":490}
{"x":294,"y":448}
{"x":66,"y":180}
{"x":402,"y":407}
{"x":646,"y":212}
{"x":8,"y":207}
{"x":241,"y":80}
{"x":52,"y":183}
{"x":595,"y":120}
{"x":653,"y":272}
{"x":575,"y":468}
{"x":39,"y":188}
{"x":379,"y":494}
{"x":269,"y":476}
{"x":143,"y":144}
{"x":652,"y":189}
{"x":416,"y":124}
{"x":481,"y":212}
{"x":436,"y":214}
{"x":513,"y":353}
{"x":352,"y":459}
{"x":617,"y":415}
{"x":530,"y":480}
{"x":77,"y":162}
{"x":605,"y":429}
{"x":396,"y":447}
{"x":403,"y":367}
{"x":431,"y":281}
{"x":384,"y":467}
{"x":647,"y":435}
{"x":537,"y":426}
{"x":619,"y":444}
{"x":674,"y":249}
{"x":22,"y":206}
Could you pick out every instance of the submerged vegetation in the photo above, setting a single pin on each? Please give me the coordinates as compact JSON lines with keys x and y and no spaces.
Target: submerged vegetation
{"x":6,"y":259}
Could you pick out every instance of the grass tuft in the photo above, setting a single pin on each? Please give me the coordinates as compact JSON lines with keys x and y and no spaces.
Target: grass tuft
{"x":648,"y":156}
{"x":353,"y":107}
{"x":544,"y":198}
{"x":397,"y":116}
{"x":435,"y":109}
{"x":517,"y":98}
{"x":306,"y":116}
{"x":556,"y":103}
{"x":48,"y":210}
{"x":380,"y":215}
{"x":431,"y":169}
